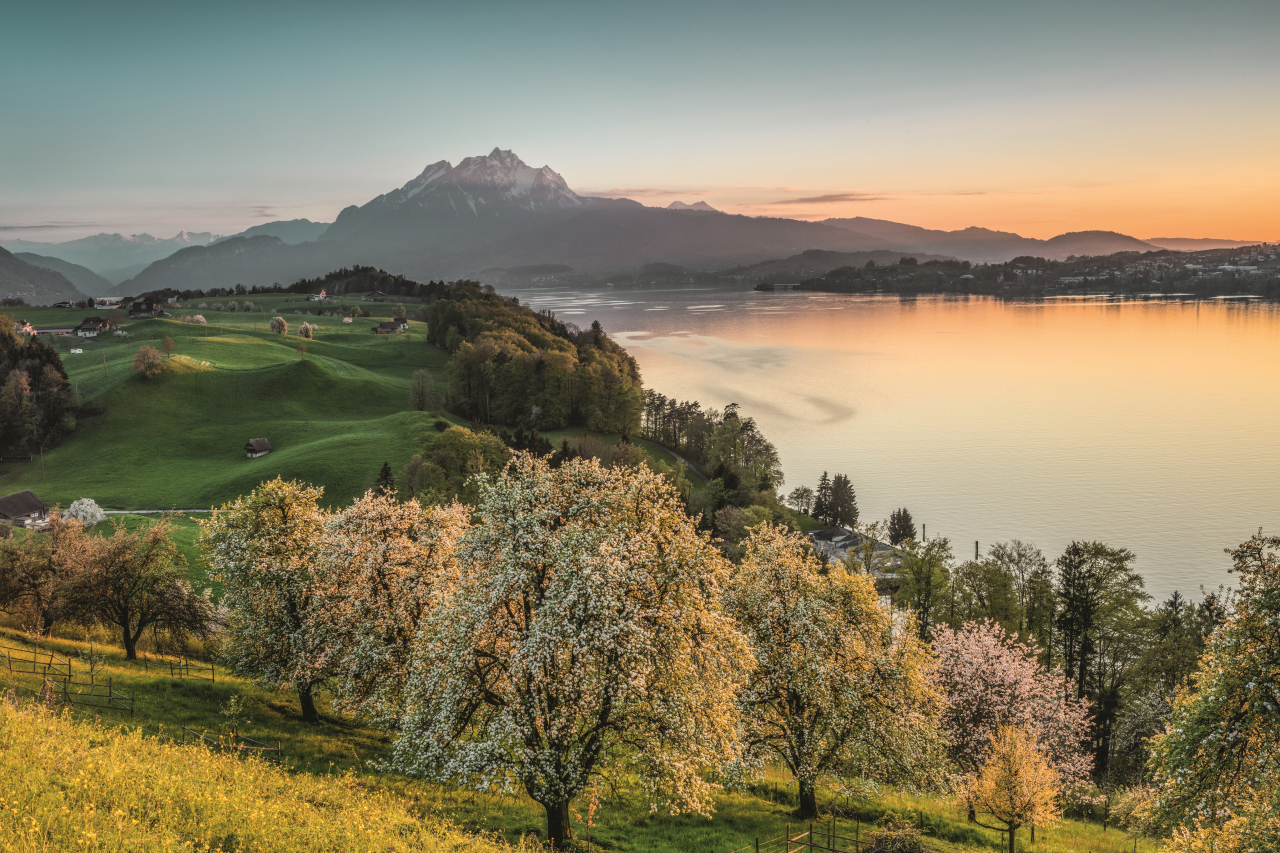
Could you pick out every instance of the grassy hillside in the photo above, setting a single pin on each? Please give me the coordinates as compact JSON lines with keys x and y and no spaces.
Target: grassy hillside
{"x":341,"y":746}
{"x":333,"y":414}
{"x":71,"y":785}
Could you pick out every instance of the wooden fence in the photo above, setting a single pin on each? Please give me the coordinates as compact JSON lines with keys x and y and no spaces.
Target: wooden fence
{"x":239,"y":743}
{"x":824,"y":836}
{"x":93,"y":693}
{"x":34,"y":661}
{"x":179,"y":668}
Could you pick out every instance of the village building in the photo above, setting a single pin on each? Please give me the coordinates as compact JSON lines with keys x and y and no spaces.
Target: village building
{"x":836,"y":543}
{"x":23,"y":509}
{"x":91,"y":327}
{"x":390,"y":327}
{"x":257,"y":447}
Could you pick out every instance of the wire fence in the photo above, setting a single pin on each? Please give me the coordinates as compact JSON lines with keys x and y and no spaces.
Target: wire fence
{"x":94,"y":693}
{"x":235,"y":742}
{"x":179,"y":668}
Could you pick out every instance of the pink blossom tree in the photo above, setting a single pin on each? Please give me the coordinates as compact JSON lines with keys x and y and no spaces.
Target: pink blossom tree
{"x":991,"y":680}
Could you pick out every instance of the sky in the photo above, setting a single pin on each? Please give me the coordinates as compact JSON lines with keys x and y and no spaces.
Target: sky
{"x":1155,"y":119}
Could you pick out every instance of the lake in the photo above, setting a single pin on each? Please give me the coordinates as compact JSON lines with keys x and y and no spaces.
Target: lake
{"x":1151,"y":425}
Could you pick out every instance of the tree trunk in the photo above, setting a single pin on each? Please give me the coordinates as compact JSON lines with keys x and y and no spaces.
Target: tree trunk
{"x":1012,"y":832}
{"x":309,"y":714}
{"x":558,"y":827}
{"x":130,"y":646}
{"x":808,"y":800}
{"x":973,"y":815}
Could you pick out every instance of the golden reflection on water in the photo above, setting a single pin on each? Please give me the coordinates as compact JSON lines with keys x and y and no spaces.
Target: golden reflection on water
{"x":1153,"y":425}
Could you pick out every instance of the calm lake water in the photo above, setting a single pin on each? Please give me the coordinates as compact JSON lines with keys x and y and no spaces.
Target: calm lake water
{"x":1152,"y":425}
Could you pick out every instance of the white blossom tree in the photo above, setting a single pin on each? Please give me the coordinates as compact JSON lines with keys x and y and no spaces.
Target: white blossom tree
{"x":837,"y":690}
{"x":86,"y":511}
{"x":583,"y":636}
{"x":263,"y":548}
{"x":382,"y":567}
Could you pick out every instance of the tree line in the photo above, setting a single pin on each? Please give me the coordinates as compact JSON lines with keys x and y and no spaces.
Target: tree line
{"x":38,"y":406}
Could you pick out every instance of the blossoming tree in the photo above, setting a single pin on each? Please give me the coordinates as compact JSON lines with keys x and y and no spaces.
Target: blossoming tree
{"x":1015,"y":787}
{"x":262,"y":547}
{"x":382,"y":566}
{"x":583,"y":635}
{"x":1215,"y":768}
{"x":989,"y":679}
{"x":838,"y":689}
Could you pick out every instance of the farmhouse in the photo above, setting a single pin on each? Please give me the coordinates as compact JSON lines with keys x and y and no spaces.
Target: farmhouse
{"x":145,"y":308}
{"x":91,"y":327}
{"x":23,"y":509}
{"x":390,"y":327}
{"x":257,"y":447}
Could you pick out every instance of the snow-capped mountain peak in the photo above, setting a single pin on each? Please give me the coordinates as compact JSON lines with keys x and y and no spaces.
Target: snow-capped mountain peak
{"x":487,"y":185}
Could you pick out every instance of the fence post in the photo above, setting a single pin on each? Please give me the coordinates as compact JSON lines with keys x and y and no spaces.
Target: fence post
{"x":213,"y":676}
{"x":811,"y":835}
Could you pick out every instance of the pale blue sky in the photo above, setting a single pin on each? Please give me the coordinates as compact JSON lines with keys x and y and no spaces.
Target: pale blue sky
{"x":1157,"y":118}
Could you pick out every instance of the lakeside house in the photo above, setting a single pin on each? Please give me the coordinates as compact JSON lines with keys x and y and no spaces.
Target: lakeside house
{"x":257,"y":447}
{"x":24,"y":509}
{"x":836,"y":543}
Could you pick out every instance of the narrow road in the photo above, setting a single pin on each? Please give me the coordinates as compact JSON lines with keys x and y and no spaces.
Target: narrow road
{"x":149,"y":511}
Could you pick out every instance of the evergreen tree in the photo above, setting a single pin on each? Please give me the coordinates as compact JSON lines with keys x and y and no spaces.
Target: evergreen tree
{"x":901,"y":526}
{"x":822,"y":499}
{"x":843,"y":508}
{"x":386,"y":480}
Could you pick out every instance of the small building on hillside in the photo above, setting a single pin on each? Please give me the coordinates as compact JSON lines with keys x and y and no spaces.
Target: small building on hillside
{"x":144,"y":308}
{"x":257,"y":447}
{"x":23,"y":509}
{"x":836,"y":543}
{"x":390,"y":327}
{"x":91,"y":327}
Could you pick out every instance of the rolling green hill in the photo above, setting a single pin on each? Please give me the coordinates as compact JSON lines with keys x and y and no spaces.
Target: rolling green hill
{"x":333,"y":414}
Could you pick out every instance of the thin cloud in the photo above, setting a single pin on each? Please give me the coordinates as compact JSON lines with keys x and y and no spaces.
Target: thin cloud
{"x":832,"y":198}
{"x":643,"y":192}
{"x":50,"y":225}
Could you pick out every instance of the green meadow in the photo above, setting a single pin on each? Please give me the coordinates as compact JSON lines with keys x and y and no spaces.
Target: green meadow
{"x":333,"y":413}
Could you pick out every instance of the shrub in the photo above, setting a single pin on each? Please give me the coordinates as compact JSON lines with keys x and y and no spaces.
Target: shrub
{"x":86,"y":511}
{"x":279,"y":326}
{"x":217,"y":306}
{"x":231,"y":306}
{"x":306,"y":330}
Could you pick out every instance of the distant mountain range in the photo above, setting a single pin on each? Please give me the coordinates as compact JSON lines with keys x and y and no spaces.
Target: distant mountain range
{"x":496,"y":211}
{"x":289,"y":231}
{"x":697,"y":205}
{"x":104,"y":253}
{"x":35,"y":285}
{"x":84,"y":279}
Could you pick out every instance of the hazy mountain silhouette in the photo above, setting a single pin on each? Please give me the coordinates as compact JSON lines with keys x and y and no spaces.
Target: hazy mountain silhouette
{"x":982,"y":245}
{"x":1198,"y":244}
{"x":241,"y":260}
{"x":36,"y":285}
{"x":103,"y":252}
{"x":288,"y":230}
{"x":697,"y":205}
{"x":83,"y":279}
